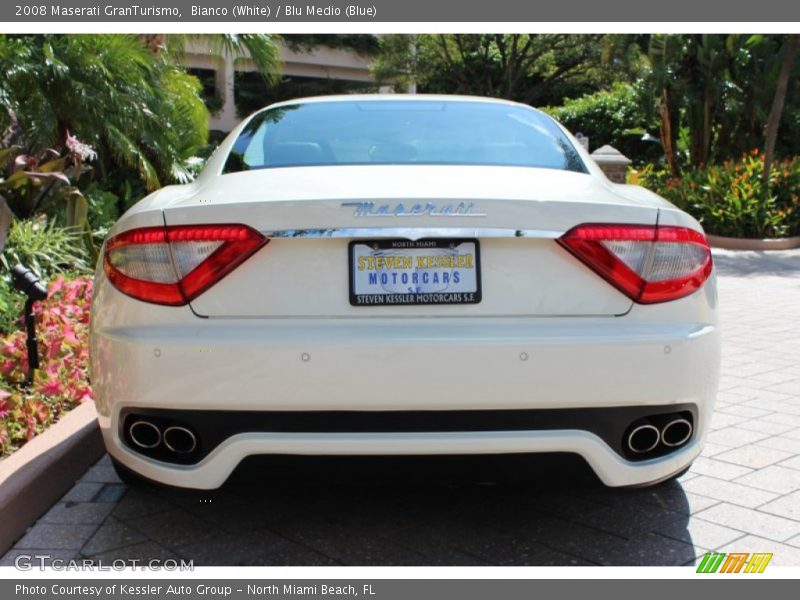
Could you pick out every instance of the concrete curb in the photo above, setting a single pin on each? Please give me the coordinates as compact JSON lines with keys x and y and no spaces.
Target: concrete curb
{"x":34,"y":477}
{"x":729,"y":243}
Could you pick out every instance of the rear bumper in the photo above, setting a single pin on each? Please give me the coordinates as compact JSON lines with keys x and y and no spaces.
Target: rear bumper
{"x":147,"y":357}
{"x":404,"y":365}
{"x":215,"y":469}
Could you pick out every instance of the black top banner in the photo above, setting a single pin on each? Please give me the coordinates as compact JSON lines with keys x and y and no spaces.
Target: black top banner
{"x":337,"y":11}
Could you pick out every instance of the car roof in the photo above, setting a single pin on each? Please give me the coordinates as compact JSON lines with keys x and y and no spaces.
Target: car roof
{"x":395,"y":97}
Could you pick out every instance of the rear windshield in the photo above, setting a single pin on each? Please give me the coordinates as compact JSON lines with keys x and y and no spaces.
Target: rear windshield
{"x":397,"y":132}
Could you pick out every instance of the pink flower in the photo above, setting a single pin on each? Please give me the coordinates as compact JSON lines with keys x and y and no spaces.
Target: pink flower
{"x":7,"y":366}
{"x":51,"y":387}
{"x":51,"y":370}
{"x":30,"y":427}
{"x":55,"y":286}
{"x":40,"y":410}
{"x":85,"y":151}
{"x":5,"y":403}
{"x":52,"y":349}
{"x":62,"y":380}
{"x":68,"y":334}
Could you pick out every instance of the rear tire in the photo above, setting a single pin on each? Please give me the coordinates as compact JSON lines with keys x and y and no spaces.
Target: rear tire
{"x":128,"y":477}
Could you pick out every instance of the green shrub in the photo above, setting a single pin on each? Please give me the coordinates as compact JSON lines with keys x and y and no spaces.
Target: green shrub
{"x":732,"y":199}
{"x":45,"y":247}
{"x":613,"y":117}
{"x":103,"y":207}
{"x":11,"y":306}
{"x":49,"y":250}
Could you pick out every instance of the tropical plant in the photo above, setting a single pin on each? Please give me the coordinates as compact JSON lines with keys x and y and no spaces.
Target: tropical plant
{"x":771,"y":130}
{"x":733,"y":199}
{"x":33,"y":184}
{"x":712,"y":95}
{"x":34,"y":181}
{"x":261,"y":48}
{"x":45,"y":247}
{"x":139,"y":110}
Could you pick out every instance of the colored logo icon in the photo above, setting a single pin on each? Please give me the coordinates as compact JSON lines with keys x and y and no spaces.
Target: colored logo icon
{"x":734,"y":562}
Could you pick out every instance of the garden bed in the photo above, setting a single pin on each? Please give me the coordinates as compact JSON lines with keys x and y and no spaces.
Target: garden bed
{"x":62,"y":382}
{"x":732,"y":243}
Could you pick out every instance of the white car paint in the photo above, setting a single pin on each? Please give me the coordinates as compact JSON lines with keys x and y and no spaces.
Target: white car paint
{"x":278,"y":333}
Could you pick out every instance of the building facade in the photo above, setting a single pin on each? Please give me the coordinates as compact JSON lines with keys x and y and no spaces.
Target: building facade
{"x":332,"y":70}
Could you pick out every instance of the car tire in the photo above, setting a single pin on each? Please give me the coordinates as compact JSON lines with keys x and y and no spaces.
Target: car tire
{"x":128,"y":477}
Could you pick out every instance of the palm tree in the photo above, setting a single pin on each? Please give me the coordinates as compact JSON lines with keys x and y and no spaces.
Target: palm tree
{"x":661,"y":50}
{"x":135,"y":104}
{"x":138,"y":110}
{"x":261,"y":48}
{"x":771,"y":130}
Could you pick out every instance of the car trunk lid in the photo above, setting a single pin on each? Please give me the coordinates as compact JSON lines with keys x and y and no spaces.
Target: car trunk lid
{"x":312,"y":214}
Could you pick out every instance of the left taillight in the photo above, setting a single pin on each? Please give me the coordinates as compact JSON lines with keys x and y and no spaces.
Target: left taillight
{"x":174,"y":264}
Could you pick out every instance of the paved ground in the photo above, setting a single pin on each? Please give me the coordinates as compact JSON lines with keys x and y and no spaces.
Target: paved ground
{"x":743,"y":494}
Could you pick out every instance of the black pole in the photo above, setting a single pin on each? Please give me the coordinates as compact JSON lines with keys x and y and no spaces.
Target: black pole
{"x":26,"y":281}
{"x":33,"y":347}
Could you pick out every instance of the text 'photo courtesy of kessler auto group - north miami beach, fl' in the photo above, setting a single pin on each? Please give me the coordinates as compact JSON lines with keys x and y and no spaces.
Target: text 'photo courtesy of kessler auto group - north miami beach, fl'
{"x":398,"y":299}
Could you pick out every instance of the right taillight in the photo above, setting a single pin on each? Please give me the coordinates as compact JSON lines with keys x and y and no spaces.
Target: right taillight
{"x":173,"y":265}
{"x":647,"y":263}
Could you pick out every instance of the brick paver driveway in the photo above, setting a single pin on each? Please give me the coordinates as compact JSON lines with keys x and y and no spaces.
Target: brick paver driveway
{"x":743,"y":494}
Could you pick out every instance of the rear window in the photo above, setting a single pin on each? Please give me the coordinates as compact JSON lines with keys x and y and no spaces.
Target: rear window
{"x":398,"y":132}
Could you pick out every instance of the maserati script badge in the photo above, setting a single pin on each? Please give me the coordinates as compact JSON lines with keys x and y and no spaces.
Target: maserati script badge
{"x":371,"y":209}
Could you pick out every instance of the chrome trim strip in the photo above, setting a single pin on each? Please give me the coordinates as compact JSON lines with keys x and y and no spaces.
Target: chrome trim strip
{"x":413,"y":233}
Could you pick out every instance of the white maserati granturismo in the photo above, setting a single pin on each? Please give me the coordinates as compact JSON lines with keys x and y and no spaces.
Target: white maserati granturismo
{"x":403,"y":275}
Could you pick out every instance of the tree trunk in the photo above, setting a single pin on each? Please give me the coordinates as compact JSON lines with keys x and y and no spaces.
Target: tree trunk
{"x":665,"y":133}
{"x":771,"y":130}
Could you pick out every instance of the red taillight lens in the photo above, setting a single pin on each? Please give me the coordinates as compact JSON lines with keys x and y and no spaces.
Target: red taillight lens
{"x":173,"y":265}
{"x":647,"y":263}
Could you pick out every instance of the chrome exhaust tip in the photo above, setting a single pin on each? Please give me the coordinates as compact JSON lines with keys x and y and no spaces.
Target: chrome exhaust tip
{"x":179,"y":440}
{"x":144,"y":434}
{"x":676,"y":432}
{"x":643,"y":438}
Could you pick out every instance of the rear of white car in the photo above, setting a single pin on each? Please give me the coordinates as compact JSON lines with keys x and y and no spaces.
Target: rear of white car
{"x":401,"y":305}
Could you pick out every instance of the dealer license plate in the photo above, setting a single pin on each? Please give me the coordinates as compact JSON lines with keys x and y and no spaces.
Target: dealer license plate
{"x":392,"y":272}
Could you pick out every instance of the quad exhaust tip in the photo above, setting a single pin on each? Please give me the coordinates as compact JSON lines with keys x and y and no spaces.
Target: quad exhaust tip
{"x":179,"y":439}
{"x":676,"y":432}
{"x":663,"y":432}
{"x":643,"y":438}
{"x":148,"y":436}
{"x":145,"y":434}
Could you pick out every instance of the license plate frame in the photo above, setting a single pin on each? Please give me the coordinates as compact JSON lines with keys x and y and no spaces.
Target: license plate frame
{"x":438,"y":247}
